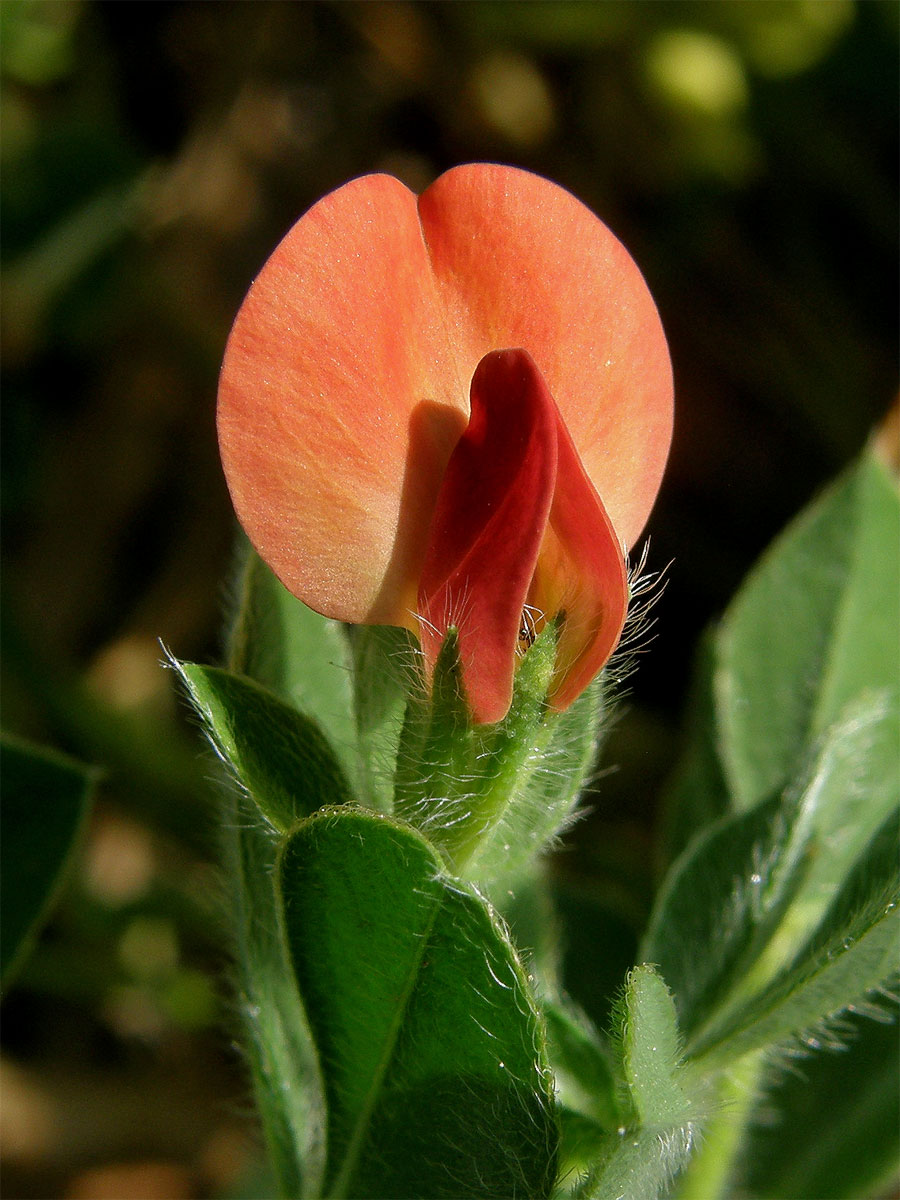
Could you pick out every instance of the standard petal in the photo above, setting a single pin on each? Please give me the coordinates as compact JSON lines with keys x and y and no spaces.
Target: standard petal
{"x":340,"y":402}
{"x":521,"y":262}
{"x":488,"y":526}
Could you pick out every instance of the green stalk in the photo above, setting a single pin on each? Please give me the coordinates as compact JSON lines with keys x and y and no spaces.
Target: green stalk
{"x":709,"y":1175}
{"x":277,"y":1042}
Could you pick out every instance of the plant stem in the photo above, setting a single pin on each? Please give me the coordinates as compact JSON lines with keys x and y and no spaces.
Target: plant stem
{"x":709,"y":1175}
{"x":277,"y":1043}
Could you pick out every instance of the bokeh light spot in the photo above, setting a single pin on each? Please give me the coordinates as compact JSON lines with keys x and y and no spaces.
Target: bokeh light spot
{"x":697,"y":71}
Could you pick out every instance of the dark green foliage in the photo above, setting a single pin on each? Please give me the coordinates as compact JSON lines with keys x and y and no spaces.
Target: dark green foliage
{"x":279,"y":755}
{"x":45,"y":802}
{"x":430,"y":1047}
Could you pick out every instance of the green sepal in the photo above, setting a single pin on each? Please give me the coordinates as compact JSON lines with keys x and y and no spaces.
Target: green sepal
{"x":436,"y":757}
{"x":431,"y":1049}
{"x":454,"y":778}
{"x":545,"y":793}
{"x":492,"y":797}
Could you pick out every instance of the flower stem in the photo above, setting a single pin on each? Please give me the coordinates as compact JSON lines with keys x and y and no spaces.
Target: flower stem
{"x":710,"y":1173}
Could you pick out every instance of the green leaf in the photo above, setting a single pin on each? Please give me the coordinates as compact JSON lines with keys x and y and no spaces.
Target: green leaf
{"x":838,"y":1116}
{"x":697,"y":793}
{"x":279,"y":1047}
{"x":750,"y":889}
{"x":647,"y":1153}
{"x":299,"y":655}
{"x":278,"y":754}
{"x":848,"y":962}
{"x":582,"y":1141}
{"x":710,"y":906}
{"x":45,"y":804}
{"x":386,"y":675}
{"x":815,"y":624}
{"x":870,"y":889}
{"x":582,"y":1065}
{"x":651,"y":1050}
{"x":299,"y":658}
{"x":854,"y":789}
{"x":430,"y":1045}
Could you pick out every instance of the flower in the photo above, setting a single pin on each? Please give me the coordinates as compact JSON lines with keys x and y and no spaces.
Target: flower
{"x":452,"y":410}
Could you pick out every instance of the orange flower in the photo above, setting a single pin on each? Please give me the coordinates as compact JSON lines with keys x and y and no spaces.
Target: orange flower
{"x":452,"y":410}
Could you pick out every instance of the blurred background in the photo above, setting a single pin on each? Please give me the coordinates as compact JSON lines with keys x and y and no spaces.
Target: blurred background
{"x":153,"y":154}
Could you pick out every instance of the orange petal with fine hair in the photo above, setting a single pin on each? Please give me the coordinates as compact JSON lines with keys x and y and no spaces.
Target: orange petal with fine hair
{"x":339,"y":404}
{"x":345,"y":390}
{"x":519,"y":261}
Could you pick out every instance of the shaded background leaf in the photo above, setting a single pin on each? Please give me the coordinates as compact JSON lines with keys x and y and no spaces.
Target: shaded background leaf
{"x":45,"y":803}
{"x":849,"y":964}
{"x":780,"y":868}
{"x":814,"y":625}
{"x":711,"y":905}
{"x":828,"y":1124}
{"x":750,"y":889}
